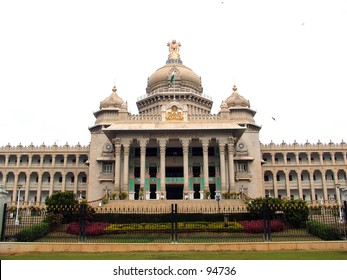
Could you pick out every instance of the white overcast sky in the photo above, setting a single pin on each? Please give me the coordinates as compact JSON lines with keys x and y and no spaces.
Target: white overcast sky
{"x":59,"y":59}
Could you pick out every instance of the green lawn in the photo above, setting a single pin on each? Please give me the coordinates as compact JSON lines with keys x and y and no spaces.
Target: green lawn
{"x":239,"y":255}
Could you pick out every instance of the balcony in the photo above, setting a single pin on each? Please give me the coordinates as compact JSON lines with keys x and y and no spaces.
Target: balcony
{"x":243,"y":176}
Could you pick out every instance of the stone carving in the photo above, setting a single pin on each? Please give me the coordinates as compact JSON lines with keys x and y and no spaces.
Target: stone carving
{"x":174,"y":49}
{"x":174,"y":114}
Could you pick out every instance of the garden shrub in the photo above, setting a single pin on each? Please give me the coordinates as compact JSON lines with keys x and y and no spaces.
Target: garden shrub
{"x":257,"y":226}
{"x":296,"y":212}
{"x":256,"y":207}
{"x":91,"y":229}
{"x":323,"y":231}
{"x":32,"y":233}
{"x":54,"y":219}
{"x":234,"y":226}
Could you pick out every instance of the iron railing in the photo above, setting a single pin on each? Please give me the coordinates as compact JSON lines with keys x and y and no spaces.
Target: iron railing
{"x":82,"y":223}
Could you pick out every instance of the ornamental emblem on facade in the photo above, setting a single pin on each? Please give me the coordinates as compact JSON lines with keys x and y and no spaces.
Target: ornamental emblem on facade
{"x":174,"y":114}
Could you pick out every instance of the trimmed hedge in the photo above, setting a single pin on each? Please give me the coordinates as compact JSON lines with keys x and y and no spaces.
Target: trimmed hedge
{"x":182,"y":226}
{"x":32,"y":233}
{"x":323,"y":231}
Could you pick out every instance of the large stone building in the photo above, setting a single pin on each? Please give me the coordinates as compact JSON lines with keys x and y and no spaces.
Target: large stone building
{"x":174,"y":148}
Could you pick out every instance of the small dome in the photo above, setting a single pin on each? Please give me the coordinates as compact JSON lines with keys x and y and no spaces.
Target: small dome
{"x":113,"y":101}
{"x":236,"y":100}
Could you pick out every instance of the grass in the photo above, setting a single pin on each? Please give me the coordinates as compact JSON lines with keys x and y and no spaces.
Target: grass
{"x":232,"y":255}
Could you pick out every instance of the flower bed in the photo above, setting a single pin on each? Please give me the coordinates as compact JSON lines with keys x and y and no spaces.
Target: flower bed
{"x":91,"y":229}
{"x":257,"y":226}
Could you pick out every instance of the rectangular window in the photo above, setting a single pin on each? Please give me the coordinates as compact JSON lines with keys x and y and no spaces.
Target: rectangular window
{"x":242,"y":167}
{"x":107,"y":167}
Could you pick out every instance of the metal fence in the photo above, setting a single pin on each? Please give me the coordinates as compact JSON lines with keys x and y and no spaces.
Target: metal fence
{"x":167,"y":225}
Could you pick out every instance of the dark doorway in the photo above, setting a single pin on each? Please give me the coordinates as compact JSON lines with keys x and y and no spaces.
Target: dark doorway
{"x":196,"y":191}
{"x":174,"y":172}
{"x":137,"y":190}
{"x":213,"y":191}
{"x":174,"y":191}
{"x":152,"y":189}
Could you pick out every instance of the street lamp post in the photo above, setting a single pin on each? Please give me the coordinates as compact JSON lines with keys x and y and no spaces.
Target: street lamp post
{"x":339,"y":201}
{"x":16,"y":222}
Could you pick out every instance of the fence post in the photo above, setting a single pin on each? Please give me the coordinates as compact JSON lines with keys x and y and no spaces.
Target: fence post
{"x":174,"y":223}
{"x":82,"y":222}
{"x":3,"y":194}
{"x":266,"y":218}
{"x":3,"y":223}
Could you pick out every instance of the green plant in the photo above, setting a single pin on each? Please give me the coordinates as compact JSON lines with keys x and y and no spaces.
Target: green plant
{"x":123,"y":196}
{"x":323,"y":231}
{"x":32,"y":233}
{"x":207,"y":194}
{"x":64,"y":203}
{"x":296,"y":212}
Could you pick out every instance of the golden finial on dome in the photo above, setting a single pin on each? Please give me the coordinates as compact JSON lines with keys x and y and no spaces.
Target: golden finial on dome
{"x":174,"y":49}
{"x":234,"y":88}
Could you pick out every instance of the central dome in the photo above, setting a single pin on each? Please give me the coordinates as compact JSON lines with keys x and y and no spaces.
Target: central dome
{"x":184,"y":77}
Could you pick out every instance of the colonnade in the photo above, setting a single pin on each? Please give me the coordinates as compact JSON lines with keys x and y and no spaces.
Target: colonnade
{"x":122,"y":157}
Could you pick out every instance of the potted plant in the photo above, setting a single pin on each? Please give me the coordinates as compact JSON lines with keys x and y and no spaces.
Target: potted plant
{"x":123,"y":196}
{"x":207,"y":194}
{"x":141,"y":194}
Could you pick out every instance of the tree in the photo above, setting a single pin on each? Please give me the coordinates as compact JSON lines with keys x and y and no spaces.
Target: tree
{"x":62,"y":206}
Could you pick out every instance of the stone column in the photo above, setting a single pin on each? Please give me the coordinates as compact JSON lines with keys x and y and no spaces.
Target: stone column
{"x":126,"y":147}
{"x":8,"y":157}
{"x":337,"y":193}
{"x":143,"y":144}
{"x":300,"y":186}
{"x":63,"y":183}
{"x":185,"y":144}
{"x":275,"y":184}
{"x":51,"y":177}
{"x":205,"y":143}
{"x":222,"y":166}
{"x":117,"y":145}
{"x":26,"y":193}
{"x":313,"y":193}
{"x":231,"y":150}
{"x":297,"y":158}
{"x":324,"y":187}
{"x":65,"y":160}
{"x":287,"y":184}
{"x":39,"y":187}
{"x":15,"y":188}
{"x":162,"y":145}
{"x":321,"y":158}
{"x":76,"y":184}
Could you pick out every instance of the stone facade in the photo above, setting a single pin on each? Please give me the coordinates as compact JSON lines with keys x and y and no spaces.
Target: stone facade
{"x":174,"y":148}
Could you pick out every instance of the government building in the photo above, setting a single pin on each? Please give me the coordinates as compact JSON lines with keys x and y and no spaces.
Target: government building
{"x":175,"y":149}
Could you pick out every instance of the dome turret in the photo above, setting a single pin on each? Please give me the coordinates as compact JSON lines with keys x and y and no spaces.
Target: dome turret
{"x":236,"y":100}
{"x":113,"y":101}
{"x":184,"y":77}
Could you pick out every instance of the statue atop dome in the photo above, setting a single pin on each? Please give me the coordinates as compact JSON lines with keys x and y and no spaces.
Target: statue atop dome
{"x":174,"y":49}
